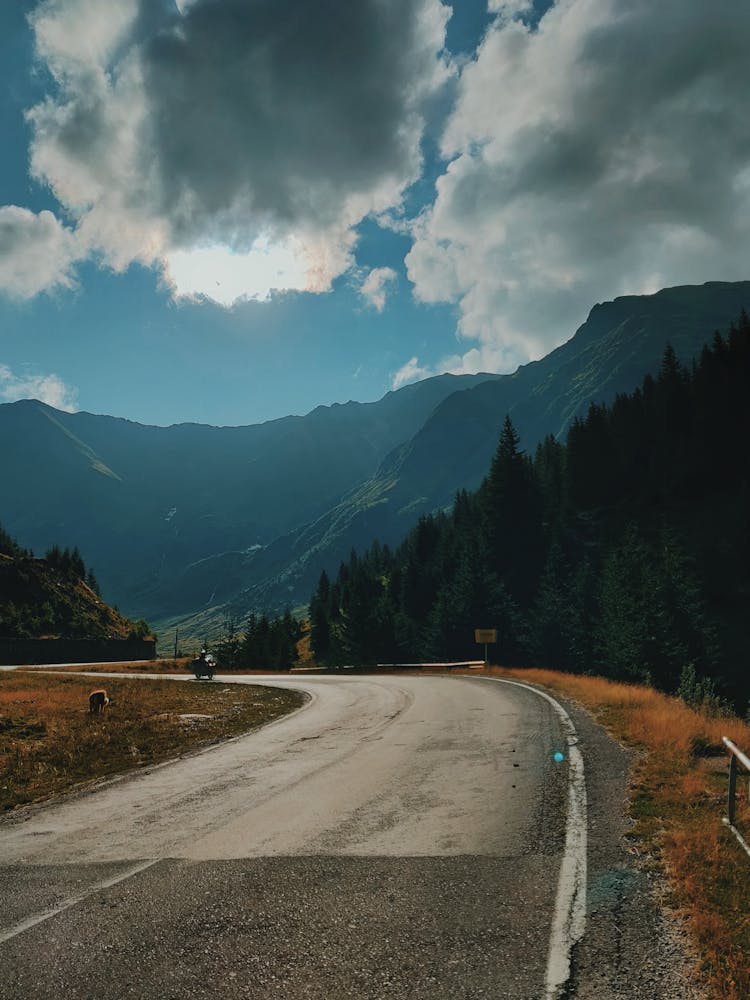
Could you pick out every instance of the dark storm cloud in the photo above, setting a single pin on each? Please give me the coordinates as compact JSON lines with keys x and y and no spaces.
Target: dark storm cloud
{"x":280,"y":108}
{"x":223,"y":122}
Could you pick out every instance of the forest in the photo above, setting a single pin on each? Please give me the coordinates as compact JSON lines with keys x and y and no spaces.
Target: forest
{"x":264,"y":644}
{"x":55,"y":596}
{"x":622,"y":551}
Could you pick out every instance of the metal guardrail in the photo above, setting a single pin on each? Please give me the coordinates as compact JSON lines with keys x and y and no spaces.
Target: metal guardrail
{"x":470,"y":664}
{"x":736,"y":757}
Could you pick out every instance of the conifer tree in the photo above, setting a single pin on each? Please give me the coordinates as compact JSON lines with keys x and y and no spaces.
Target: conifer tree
{"x":320,"y":619}
{"x":626,"y":631}
{"x":511,"y":517}
{"x":551,"y":618}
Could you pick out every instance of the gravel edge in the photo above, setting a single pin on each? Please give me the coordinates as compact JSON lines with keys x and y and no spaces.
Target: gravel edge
{"x":637,"y":946}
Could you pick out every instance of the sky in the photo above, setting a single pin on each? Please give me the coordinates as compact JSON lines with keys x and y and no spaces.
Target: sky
{"x":226,"y":211}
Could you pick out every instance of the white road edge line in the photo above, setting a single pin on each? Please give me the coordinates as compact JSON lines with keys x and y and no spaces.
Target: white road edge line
{"x":569,"y":920}
{"x":39,"y":918}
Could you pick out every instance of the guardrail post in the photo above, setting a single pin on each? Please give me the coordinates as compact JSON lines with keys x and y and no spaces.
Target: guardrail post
{"x":736,"y":758}
{"x":732,"y":788}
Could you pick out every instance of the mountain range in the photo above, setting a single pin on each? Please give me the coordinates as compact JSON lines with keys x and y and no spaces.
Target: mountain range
{"x":194,"y":524}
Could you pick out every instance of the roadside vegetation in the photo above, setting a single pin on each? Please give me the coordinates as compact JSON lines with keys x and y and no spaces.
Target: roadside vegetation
{"x":49,"y":742}
{"x":678,"y":797}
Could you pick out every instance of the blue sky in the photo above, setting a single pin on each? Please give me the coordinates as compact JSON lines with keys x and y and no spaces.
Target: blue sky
{"x":454,"y":189}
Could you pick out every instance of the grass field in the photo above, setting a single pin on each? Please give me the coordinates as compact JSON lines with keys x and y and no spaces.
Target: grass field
{"x":49,"y":742}
{"x":170,"y":666}
{"x":678,"y":797}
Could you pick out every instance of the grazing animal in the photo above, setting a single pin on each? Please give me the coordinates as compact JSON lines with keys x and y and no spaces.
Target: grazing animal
{"x":98,"y":701}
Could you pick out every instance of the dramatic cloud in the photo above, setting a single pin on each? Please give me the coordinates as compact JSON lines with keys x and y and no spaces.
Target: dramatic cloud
{"x":252,"y":275}
{"x":48,"y":389}
{"x":374,"y":289}
{"x":36,"y":253}
{"x":262,"y":130}
{"x":606,"y":151}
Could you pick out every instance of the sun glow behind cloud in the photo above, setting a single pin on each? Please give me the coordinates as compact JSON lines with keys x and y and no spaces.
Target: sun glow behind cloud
{"x":240,"y":151}
{"x":234,"y":151}
{"x":226,"y":277}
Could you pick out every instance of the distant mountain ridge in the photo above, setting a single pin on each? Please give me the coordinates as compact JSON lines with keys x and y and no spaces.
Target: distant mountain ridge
{"x":611,"y":352}
{"x":191,"y":523}
{"x":149,"y":504}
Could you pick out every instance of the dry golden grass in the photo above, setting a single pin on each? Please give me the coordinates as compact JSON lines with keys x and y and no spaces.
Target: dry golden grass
{"x":49,"y":741}
{"x":170,"y":666}
{"x":678,"y":797}
{"x":305,"y":656}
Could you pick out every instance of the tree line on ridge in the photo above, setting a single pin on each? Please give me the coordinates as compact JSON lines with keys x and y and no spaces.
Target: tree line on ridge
{"x":623,"y":551}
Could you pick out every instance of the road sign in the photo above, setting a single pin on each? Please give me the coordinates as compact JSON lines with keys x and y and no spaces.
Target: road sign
{"x":485,"y":635}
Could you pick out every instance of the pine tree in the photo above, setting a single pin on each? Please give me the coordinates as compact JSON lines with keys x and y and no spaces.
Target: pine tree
{"x":684,"y":633}
{"x":229,"y":648}
{"x":8,"y":546}
{"x":320,"y":615}
{"x":626,"y":630}
{"x":474,"y":598}
{"x":550,"y":630}
{"x":511,"y":517}
{"x":549,"y":470}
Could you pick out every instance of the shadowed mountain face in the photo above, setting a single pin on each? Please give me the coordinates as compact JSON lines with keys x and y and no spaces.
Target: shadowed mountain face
{"x":205,"y":521}
{"x":148,"y":505}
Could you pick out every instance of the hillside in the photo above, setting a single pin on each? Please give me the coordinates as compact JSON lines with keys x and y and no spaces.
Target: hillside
{"x":146,"y":504}
{"x":622,"y":552}
{"x":38,"y":601}
{"x":619,"y":344}
{"x":192,"y":523}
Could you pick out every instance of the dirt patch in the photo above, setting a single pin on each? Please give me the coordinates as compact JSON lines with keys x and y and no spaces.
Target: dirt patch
{"x":49,"y":741}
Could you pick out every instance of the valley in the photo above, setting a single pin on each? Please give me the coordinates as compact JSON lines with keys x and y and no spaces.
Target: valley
{"x":190,"y":526}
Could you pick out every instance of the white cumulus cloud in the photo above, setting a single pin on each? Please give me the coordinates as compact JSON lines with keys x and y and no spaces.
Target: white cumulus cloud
{"x":47,"y":388}
{"x":374,"y":289}
{"x":605,"y":151}
{"x":37,"y":253}
{"x":412,"y":371}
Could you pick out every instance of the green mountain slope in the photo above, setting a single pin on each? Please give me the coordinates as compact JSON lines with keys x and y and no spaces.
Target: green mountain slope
{"x":209,"y":521}
{"x":620,"y":342}
{"x":148,"y":505}
{"x":37,"y":601}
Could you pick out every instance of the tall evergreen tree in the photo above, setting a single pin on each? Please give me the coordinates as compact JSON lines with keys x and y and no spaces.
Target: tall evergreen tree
{"x":320,"y":619}
{"x":511,"y":518}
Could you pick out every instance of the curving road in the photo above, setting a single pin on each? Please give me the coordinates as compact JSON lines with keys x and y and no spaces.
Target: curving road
{"x":399,"y":836}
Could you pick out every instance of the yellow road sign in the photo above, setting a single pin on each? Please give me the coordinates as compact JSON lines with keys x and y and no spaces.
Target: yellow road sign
{"x":485,"y":635}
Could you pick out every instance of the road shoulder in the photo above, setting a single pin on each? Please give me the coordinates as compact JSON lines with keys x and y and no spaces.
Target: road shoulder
{"x":634,"y":947}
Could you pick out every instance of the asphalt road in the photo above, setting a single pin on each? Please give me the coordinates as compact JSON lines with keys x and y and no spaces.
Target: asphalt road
{"x":399,"y":837}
